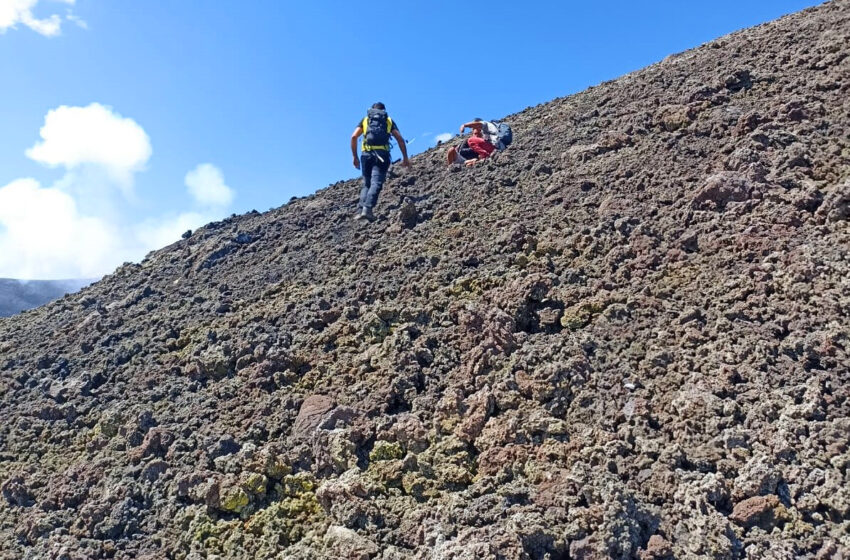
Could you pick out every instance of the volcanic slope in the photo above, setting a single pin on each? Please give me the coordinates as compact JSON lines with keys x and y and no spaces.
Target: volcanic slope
{"x":625,"y":336}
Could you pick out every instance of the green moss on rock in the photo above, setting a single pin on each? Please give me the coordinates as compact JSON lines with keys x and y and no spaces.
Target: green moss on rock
{"x":296,"y":484}
{"x":275,"y":468}
{"x":387,"y":473}
{"x":256,"y":484}
{"x":416,"y":485}
{"x":288,"y":520}
{"x":386,"y":451}
{"x":580,"y":315}
{"x":343,"y":452}
{"x":234,"y":499}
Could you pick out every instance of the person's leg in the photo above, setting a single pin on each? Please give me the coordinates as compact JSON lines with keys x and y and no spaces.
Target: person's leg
{"x":366,"y":165}
{"x":482,"y":147}
{"x":451,"y":155}
{"x":379,"y":174}
{"x":464,"y":152}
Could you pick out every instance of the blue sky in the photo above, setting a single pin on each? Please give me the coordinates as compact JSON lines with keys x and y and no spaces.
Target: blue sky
{"x":125,"y":123}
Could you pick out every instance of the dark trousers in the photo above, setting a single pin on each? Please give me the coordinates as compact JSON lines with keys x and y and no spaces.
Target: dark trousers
{"x":374,"y":174}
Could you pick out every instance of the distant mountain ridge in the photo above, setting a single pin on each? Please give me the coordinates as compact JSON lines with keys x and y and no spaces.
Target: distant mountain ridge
{"x":20,"y":295}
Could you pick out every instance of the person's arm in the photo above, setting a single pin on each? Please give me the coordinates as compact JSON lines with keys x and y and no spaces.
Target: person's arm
{"x":354,"y":136}
{"x":473,"y":125}
{"x":401,"y":146}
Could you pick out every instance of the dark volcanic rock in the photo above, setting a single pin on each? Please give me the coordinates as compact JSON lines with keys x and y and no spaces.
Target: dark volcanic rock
{"x":626,"y":336}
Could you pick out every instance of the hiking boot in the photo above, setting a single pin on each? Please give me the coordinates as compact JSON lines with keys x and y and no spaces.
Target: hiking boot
{"x":367,"y":213}
{"x":359,"y":215}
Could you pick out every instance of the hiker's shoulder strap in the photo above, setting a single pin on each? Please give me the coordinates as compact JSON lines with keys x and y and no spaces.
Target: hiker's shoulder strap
{"x":389,"y":124}
{"x":364,"y":124}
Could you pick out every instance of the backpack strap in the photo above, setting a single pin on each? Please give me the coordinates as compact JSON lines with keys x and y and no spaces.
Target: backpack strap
{"x":364,"y":124}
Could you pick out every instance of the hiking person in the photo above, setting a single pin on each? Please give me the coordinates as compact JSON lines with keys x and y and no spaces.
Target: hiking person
{"x":376,"y":129}
{"x":486,"y":138}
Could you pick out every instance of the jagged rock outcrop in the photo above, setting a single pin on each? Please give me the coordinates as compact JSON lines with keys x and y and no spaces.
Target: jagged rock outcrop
{"x":624,"y":337}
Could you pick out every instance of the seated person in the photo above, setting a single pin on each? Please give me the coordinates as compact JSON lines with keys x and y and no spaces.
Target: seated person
{"x":476,"y":147}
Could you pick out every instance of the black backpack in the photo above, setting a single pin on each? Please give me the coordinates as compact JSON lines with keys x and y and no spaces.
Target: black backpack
{"x":377,"y":128}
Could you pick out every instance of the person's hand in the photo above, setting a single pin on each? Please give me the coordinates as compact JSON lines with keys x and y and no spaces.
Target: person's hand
{"x":405,"y":162}
{"x":470,"y":162}
{"x":356,"y":162}
{"x":462,"y":129}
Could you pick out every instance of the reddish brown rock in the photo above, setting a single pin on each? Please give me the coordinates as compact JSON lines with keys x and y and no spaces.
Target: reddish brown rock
{"x":312,"y":413}
{"x":156,"y":443}
{"x":759,"y":511}
{"x":657,"y":548}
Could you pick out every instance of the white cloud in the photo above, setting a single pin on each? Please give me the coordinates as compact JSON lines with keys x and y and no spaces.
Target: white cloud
{"x":80,"y":23}
{"x":13,"y":12}
{"x":444,"y":137}
{"x":206,"y":185}
{"x":78,"y":227}
{"x":75,"y":136}
{"x":44,"y":236}
{"x":160,"y":232}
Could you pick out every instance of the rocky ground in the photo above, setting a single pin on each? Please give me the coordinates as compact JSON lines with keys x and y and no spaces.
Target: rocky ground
{"x":624,"y":337}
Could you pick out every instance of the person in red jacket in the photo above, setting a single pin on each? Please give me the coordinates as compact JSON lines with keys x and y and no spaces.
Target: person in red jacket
{"x":475,"y":148}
